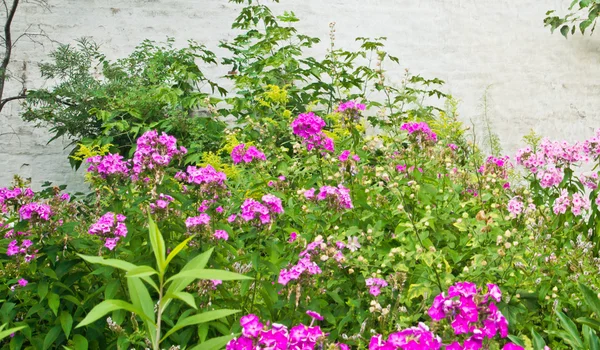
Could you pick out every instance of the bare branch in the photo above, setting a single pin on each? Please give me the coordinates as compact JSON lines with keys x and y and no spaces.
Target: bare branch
{"x":13,"y":98}
{"x":7,"y":47}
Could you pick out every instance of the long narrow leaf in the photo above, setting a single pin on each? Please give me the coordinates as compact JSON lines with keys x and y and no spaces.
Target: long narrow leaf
{"x":158,"y":244}
{"x":538,"y":341}
{"x":200,"y":318}
{"x":177,"y":249}
{"x":591,"y":298}
{"x":199,"y":262}
{"x":119,"y":264}
{"x":214,"y":343}
{"x":574,"y":339}
{"x":108,"y":306}
{"x":141,"y":271}
{"x":10,"y":331}
{"x":209,"y":274}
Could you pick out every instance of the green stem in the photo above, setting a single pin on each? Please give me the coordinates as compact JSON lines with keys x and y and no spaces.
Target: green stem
{"x":159,"y":312}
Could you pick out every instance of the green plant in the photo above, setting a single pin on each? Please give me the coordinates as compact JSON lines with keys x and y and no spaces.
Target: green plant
{"x":169,"y":288}
{"x":97,"y":102}
{"x":582,"y":14}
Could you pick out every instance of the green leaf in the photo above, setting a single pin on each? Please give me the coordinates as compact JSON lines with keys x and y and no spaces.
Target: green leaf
{"x":209,"y":274}
{"x":573,"y":334}
{"x":199,"y":262}
{"x":590,"y":338}
{"x":589,"y":322}
{"x":214,"y":343}
{"x":177,"y":249}
{"x":158,"y":245}
{"x":564,"y":30}
{"x":51,"y":336}
{"x":6,"y":333}
{"x":54,"y":302}
{"x":141,"y":271}
{"x":183,"y":296}
{"x":108,"y":306}
{"x":200,"y":318}
{"x":42,"y":289}
{"x":80,"y":342}
{"x":140,"y":298}
{"x":591,"y":298}
{"x":119,"y":264}
{"x":66,"y":322}
{"x":538,"y":341}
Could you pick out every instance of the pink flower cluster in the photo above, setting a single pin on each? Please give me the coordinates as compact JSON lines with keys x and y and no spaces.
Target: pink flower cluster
{"x":209,"y":179}
{"x":154,"y":151}
{"x":414,"y":338}
{"x":496,"y":166}
{"x":255,"y":335}
{"x":309,"y":126}
{"x":221,"y":234}
{"x":252,"y":208}
{"x":590,"y":180}
{"x":23,"y":249}
{"x":111,"y":227}
{"x":306,"y":266}
{"x":161,"y":203}
{"x":350,"y":106}
{"x":420,"y":130}
{"x":197,"y":222}
{"x":470,"y":312}
{"x":240,"y":153}
{"x":35,"y":210}
{"x":351,"y":109}
{"x":20,"y":283}
{"x":577,"y":203}
{"x":592,"y":145}
{"x":338,"y":197}
{"x":346,"y":155}
{"x":375,"y":285}
{"x":515,"y":207}
{"x":7,"y":194}
{"x":108,"y":165}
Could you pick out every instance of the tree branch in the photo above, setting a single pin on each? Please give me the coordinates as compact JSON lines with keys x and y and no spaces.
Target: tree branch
{"x":7,"y":48}
{"x":8,"y":99}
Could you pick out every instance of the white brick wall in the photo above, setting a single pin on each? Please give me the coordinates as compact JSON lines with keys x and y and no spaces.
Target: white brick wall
{"x":536,"y":80}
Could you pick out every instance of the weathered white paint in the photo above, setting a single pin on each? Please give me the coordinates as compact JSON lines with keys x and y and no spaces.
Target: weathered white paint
{"x":536,"y":80}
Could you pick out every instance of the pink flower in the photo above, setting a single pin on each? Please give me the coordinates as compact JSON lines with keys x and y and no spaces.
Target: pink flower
{"x":293,"y":237}
{"x":221,"y":234}
{"x":195,"y":221}
{"x":314,"y":315}
{"x":22,"y":282}
{"x":111,"y":227}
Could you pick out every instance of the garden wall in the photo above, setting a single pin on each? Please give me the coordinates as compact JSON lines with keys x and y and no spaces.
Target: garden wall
{"x":533,"y":79}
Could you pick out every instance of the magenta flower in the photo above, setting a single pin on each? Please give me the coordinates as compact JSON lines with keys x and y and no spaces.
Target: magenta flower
{"x":221,"y":234}
{"x":35,"y":210}
{"x":196,"y":221}
{"x":108,"y":165}
{"x":111,"y":227}
{"x":420,"y":130}
{"x":293,"y":237}
{"x":314,"y":315}
{"x":240,"y":153}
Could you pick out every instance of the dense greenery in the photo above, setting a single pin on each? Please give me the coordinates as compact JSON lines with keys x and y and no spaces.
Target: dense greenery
{"x":313,"y":186}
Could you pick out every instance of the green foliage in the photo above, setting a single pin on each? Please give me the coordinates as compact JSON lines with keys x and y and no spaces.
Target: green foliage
{"x":582,"y":15}
{"x":98,"y":102}
{"x":168,"y":289}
